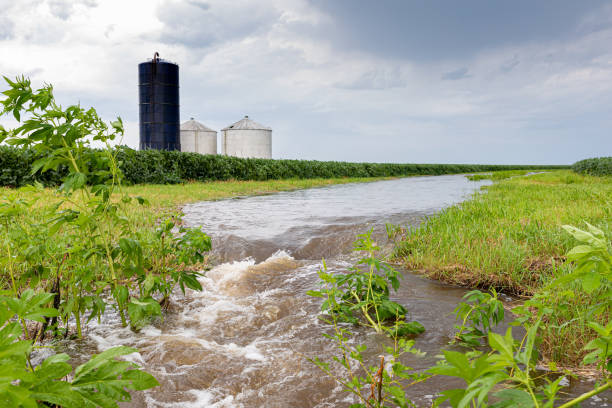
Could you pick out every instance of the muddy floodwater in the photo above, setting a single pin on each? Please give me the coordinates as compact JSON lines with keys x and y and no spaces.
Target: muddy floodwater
{"x":242,"y":341}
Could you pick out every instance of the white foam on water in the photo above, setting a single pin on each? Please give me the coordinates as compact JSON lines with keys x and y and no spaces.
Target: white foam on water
{"x":226,"y":273}
{"x":280,"y":254}
{"x":250,"y":351}
{"x":151,"y":331}
{"x":203,"y":399}
{"x":208,"y":314}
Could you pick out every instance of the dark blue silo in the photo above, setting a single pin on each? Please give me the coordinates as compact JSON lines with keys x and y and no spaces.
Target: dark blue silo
{"x":158,"y":88}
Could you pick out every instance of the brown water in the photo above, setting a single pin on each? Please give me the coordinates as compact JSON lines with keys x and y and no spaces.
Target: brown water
{"x":242,"y":342}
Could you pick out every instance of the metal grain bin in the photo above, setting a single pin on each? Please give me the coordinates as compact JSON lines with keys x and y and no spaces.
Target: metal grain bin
{"x":158,"y":88}
{"x":247,"y":138}
{"x":197,"y":138}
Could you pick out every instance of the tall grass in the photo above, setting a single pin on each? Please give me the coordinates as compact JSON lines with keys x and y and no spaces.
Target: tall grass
{"x":509,"y":237}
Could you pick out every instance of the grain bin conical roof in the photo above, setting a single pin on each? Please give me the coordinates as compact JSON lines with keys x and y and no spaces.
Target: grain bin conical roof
{"x":192,"y":124}
{"x":246,"y":124}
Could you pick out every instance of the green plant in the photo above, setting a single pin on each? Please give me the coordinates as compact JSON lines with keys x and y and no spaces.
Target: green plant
{"x":361,"y":295}
{"x":479,"y":313}
{"x":511,"y":365}
{"x":99,"y":382}
{"x":500,"y":175}
{"x":83,"y":247}
{"x":101,"y":252}
{"x":185,"y":248}
{"x":600,"y":166}
{"x":169,"y":167}
{"x":375,"y":386}
{"x":592,"y":259}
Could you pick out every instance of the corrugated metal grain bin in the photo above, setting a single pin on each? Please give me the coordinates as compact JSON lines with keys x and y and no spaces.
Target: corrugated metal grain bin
{"x":247,"y":138}
{"x":197,"y":138}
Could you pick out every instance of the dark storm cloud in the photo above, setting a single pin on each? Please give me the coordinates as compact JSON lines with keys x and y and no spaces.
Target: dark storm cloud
{"x":438,"y":30}
{"x":510,"y":64}
{"x":377,"y":79}
{"x":198,"y":24}
{"x":199,"y":4}
{"x":457,"y":74}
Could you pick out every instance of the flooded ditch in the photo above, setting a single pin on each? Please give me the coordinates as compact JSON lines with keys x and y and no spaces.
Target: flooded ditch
{"x":242,"y":341}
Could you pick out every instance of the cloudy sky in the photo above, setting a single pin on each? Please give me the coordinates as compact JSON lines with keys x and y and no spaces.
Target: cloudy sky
{"x":471,"y":81}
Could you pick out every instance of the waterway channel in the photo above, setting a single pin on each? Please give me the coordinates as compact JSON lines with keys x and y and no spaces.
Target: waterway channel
{"x":243,"y":340}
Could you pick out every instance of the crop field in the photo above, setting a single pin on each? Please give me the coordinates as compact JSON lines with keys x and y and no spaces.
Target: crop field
{"x":172,"y":167}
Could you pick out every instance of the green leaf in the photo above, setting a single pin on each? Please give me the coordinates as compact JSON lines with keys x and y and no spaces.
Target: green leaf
{"x":99,"y":360}
{"x":141,"y":311}
{"x":140,"y":380}
{"x":503,"y":344}
{"x":73,"y":182}
{"x":59,"y":393}
{"x":591,"y":282}
{"x":513,"y":398}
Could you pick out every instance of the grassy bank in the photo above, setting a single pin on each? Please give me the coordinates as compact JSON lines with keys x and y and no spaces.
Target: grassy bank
{"x":162,"y":202}
{"x":171,"y":195}
{"x":510,"y":237}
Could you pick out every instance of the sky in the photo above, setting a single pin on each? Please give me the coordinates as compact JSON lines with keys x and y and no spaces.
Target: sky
{"x":429,"y":81}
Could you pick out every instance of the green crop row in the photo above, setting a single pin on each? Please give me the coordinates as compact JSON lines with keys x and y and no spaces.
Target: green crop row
{"x":599,"y":166}
{"x":168,"y":167}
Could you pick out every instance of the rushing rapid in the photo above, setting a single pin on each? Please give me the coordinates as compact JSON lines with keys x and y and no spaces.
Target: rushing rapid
{"x":245,"y":340}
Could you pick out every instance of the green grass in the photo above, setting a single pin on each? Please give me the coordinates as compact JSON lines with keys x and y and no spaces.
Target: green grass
{"x":509,"y":237}
{"x":501,"y":175}
{"x":176,"y":194}
{"x":164,"y":201}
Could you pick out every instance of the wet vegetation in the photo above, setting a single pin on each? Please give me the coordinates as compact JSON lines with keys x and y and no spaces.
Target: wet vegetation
{"x":68,"y":259}
{"x":511,"y":238}
{"x":505,"y":373}
{"x":361,"y":295}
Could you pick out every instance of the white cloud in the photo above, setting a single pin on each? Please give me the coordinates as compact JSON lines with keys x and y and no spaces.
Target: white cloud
{"x":267,"y":59}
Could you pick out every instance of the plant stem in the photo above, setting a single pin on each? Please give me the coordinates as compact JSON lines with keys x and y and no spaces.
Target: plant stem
{"x":587,"y":395}
{"x":10,"y":266}
{"x":364,"y":310}
{"x":77,"y":316}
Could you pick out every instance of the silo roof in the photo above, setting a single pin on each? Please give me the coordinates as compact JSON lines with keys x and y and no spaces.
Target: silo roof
{"x":192,"y":124}
{"x":247,"y":124}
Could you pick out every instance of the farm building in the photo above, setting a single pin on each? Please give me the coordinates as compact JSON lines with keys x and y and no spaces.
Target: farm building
{"x":247,"y":138}
{"x":197,"y":138}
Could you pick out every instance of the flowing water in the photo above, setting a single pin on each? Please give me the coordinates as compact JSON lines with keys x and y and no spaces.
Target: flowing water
{"x":243,"y":341}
